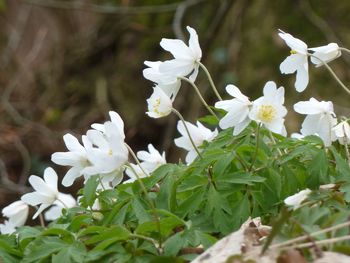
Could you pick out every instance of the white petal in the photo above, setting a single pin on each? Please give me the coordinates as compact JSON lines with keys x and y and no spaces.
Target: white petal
{"x":72,"y":143}
{"x":194,"y":43}
{"x":176,"y":47}
{"x":291,"y":63}
{"x":51,"y":178}
{"x":34,"y":198}
{"x":302,"y":78}
{"x":72,"y":174}
{"x":41,"y":208}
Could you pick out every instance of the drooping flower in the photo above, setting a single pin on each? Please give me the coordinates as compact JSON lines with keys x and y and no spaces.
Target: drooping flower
{"x":325,"y":53}
{"x":320,"y":119}
{"x":159,"y":104}
{"x":186,"y":58}
{"x":152,"y":159}
{"x":16,"y":212}
{"x":170,"y":84}
{"x":198,"y":133}
{"x":76,"y":158}
{"x":46,"y":192}
{"x":55,"y":211}
{"x":296,"y":199}
{"x":269,"y":110}
{"x":296,"y":61}
{"x":237,"y":110}
{"x":342,"y":132}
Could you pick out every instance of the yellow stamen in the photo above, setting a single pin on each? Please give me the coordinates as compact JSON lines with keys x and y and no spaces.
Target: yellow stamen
{"x":293,"y":52}
{"x":267,"y":113}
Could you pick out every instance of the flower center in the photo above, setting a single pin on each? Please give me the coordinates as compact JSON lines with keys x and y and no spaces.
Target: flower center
{"x":293,"y":52}
{"x":110,"y":152}
{"x":156,"y":107}
{"x":267,"y":113}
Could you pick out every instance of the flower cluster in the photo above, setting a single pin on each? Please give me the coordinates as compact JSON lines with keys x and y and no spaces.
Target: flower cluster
{"x":103,"y":152}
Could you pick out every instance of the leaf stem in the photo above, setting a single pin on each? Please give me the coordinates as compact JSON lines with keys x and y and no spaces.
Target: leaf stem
{"x":344,"y":49}
{"x":210,"y":80}
{"x":149,"y":239}
{"x":154,"y":211}
{"x":332,"y":73}
{"x":188,"y":132}
{"x":256,"y":147}
{"x":200,"y":96}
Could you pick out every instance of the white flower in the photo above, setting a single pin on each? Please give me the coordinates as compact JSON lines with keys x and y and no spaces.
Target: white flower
{"x":168,"y":83}
{"x":186,"y":58}
{"x":237,"y":110}
{"x":297,"y":61}
{"x":320,"y":119}
{"x":16,"y":212}
{"x":296,"y":199}
{"x":152,"y":159}
{"x":198,"y":133}
{"x":116,"y":120}
{"x":109,"y":155}
{"x":269,"y":109}
{"x":159,"y":104}
{"x":46,"y":192}
{"x":54,"y":212}
{"x":325,"y":53}
{"x":342,"y":132}
{"x":7,"y":228}
{"x":131,"y":173}
{"x":76,"y":157}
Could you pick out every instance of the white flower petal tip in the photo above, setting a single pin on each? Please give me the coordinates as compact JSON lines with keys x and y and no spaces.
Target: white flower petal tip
{"x":159,"y":104}
{"x":16,"y":212}
{"x":296,"y":200}
{"x":342,"y":132}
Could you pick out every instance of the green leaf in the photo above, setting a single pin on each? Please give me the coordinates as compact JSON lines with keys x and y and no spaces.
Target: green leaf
{"x":90,"y":191}
{"x":241,"y":178}
{"x":167,"y":194}
{"x":342,"y":167}
{"x":166,"y":226}
{"x":192,"y":203}
{"x":140,"y":211}
{"x":115,"y":233}
{"x":174,"y":243}
{"x":318,"y":169}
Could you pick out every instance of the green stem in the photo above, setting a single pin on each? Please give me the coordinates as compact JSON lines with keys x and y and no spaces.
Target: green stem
{"x":153,"y":241}
{"x":332,"y":73}
{"x":188,"y":132}
{"x":210,"y":80}
{"x":156,"y":216}
{"x":42,"y":221}
{"x":200,"y":96}
{"x":256,"y":147}
{"x":100,"y":179}
{"x":344,"y":49}
{"x":274,"y":142}
{"x":65,"y":206}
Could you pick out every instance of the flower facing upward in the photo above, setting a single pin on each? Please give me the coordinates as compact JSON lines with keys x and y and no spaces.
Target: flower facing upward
{"x":198,"y":133}
{"x":16,"y":212}
{"x":342,"y":132}
{"x":320,"y":119}
{"x":296,"y":199}
{"x":269,"y":109}
{"x":159,"y":104}
{"x":237,"y":110}
{"x":186,"y":58}
{"x":46,"y":192}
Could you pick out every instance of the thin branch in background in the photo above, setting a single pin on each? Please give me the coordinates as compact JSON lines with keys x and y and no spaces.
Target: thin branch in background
{"x":178,"y":17}
{"x":105,"y":9}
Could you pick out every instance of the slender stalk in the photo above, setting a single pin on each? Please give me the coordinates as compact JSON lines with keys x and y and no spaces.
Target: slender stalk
{"x":188,"y":132}
{"x":156,"y":216}
{"x":42,"y":221}
{"x":346,"y":146}
{"x":256,"y":147}
{"x":332,"y":73}
{"x":345,"y":49}
{"x":200,"y":96}
{"x":153,"y":241}
{"x":274,"y":142}
{"x":100,"y":179}
{"x":210,"y":80}
{"x":302,"y":238}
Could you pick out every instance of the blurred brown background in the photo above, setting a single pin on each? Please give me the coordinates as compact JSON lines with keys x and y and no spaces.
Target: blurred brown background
{"x":65,"y":64}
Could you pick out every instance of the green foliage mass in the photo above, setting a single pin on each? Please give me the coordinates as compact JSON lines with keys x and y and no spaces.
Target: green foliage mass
{"x":186,"y":206}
